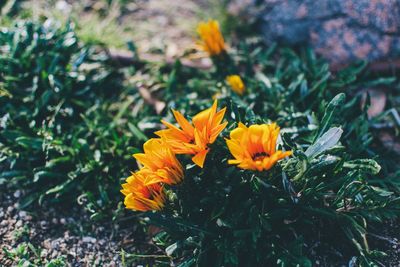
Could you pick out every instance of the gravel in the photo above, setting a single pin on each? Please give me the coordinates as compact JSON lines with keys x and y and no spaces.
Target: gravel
{"x":66,"y":234}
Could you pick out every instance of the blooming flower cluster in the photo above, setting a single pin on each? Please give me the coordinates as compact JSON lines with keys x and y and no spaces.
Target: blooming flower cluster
{"x":143,"y":190}
{"x":254,"y":148}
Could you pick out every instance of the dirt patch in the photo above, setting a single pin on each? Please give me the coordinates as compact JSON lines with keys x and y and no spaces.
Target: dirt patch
{"x":41,"y":235}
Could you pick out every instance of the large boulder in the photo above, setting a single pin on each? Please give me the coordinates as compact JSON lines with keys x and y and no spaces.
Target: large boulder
{"x":340,"y":30}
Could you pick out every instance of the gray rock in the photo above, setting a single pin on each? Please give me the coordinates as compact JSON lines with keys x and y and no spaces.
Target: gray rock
{"x":340,"y":30}
{"x":88,"y":239}
{"x":19,"y":223}
{"x":10,"y":209}
{"x":17,"y":194}
{"x":22,"y":214}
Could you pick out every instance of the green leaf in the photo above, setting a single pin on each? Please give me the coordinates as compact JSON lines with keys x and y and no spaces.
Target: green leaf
{"x":59,"y":188}
{"x":330,"y":113}
{"x":187,"y":263}
{"x":11,"y":174}
{"x":137,"y":133}
{"x":381,"y":192}
{"x":322,"y":164}
{"x":47,"y":174}
{"x":171,"y":249}
{"x":364,"y":165}
{"x":264,"y":79}
{"x":57,"y":161}
{"x":29,"y":142}
{"x":325,"y":142}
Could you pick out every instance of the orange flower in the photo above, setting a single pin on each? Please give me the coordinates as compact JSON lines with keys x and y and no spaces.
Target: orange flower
{"x":236,"y":83}
{"x":193,"y":139}
{"x":254,"y":148}
{"x":160,"y":163}
{"x":211,"y":37}
{"x":140,"y":197}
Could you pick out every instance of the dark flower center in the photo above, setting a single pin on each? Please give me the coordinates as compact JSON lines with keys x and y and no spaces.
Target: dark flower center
{"x":260,"y":155}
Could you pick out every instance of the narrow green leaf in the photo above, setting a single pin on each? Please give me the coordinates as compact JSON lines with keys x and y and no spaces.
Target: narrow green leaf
{"x":365,"y":165}
{"x":330,"y":113}
{"x":325,"y":142}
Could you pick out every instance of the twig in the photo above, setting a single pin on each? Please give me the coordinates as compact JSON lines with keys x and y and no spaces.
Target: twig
{"x":123,"y":58}
{"x":146,"y":95}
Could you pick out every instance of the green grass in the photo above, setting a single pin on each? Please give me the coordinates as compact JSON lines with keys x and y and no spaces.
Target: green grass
{"x":25,"y":254}
{"x":65,"y":118}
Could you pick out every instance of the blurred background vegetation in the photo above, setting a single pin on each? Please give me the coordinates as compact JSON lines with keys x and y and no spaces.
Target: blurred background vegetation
{"x":113,"y":23}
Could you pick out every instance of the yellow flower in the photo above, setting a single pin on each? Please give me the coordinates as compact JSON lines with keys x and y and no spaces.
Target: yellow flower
{"x":193,"y":139}
{"x":254,"y":148}
{"x":236,"y":83}
{"x":140,"y":197}
{"x":211,"y":37}
{"x":160,"y":163}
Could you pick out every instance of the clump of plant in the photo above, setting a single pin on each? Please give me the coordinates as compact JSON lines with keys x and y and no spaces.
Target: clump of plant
{"x":26,"y":254}
{"x":60,"y":127}
{"x":282,"y":172}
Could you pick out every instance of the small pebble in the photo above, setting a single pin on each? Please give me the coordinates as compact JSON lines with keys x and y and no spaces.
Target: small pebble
{"x":22,"y":214}
{"x":66,"y":234}
{"x":19,"y":223}
{"x":88,"y":239}
{"x":17,"y":193}
{"x":54,"y":254}
{"x":72,"y":253}
{"x":54,"y":244}
{"x":47,"y":243}
{"x":43,"y":224}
